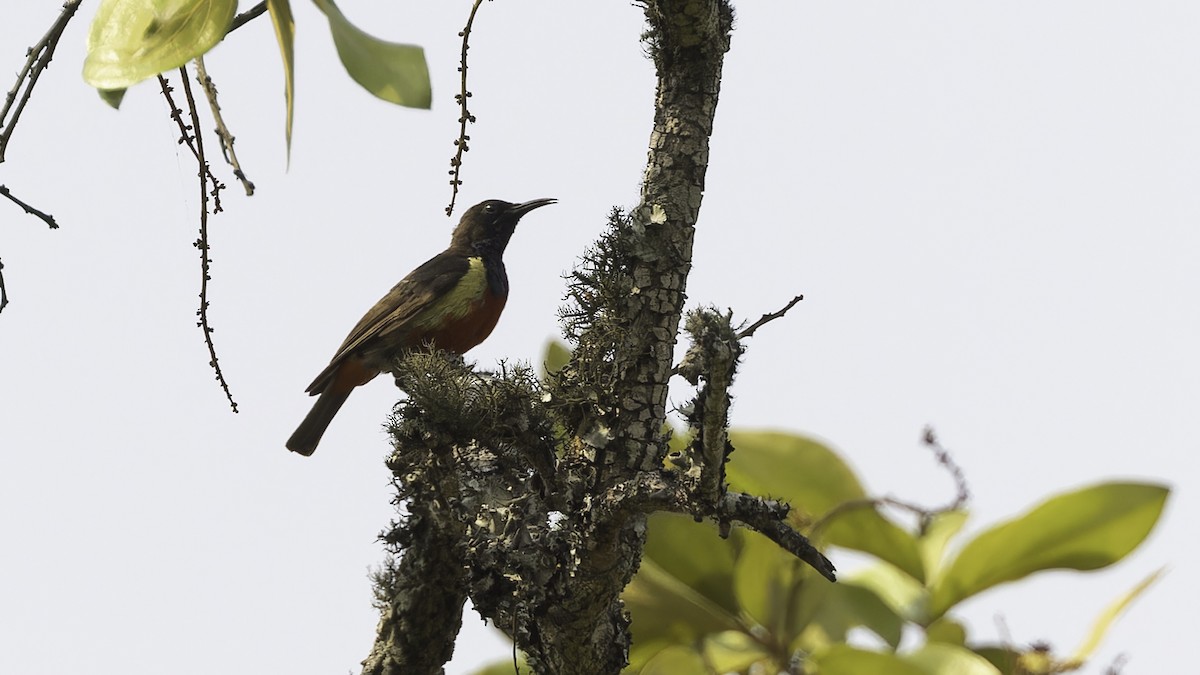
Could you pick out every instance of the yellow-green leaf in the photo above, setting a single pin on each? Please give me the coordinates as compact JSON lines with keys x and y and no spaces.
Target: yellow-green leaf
{"x":1109,"y":616}
{"x":901,"y":592}
{"x":1082,"y":530}
{"x":666,"y":611}
{"x":131,"y":40}
{"x":846,"y":660}
{"x":695,"y":555}
{"x":1003,"y":658}
{"x":557,"y":355}
{"x":836,"y":608}
{"x":939,"y":658}
{"x":285,"y":35}
{"x":804,"y":473}
{"x":674,"y":660}
{"x":946,"y":630}
{"x":732,"y":651}
{"x":933,"y":542}
{"x":864,"y":528}
{"x":394,"y":72}
{"x":762,"y":579}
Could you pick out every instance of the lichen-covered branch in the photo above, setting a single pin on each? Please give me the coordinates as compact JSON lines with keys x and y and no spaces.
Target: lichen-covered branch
{"x":712,"y":358}
{"x":548,"y":484}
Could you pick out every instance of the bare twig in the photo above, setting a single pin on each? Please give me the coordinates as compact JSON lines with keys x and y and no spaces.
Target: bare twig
{"x":241,"y":19}
{"x":37,"y":59}
{"x":1117,"y":665}
{"x":464,"y":115}
{"x":3,"y":290}
{"x":924,"y":514}
{"x":195,"y":141}
{"x":929,"y":437}
{"x":46,"y":217}
{"x":188,"y":137}
{"x":768,"y":318}
{"x":223,"y":133}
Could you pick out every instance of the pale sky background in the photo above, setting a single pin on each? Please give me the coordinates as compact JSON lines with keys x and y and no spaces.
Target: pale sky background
{"x":991,"y":208}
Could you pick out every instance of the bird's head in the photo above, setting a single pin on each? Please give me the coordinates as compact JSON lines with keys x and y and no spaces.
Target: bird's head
{"x":487,"y":226}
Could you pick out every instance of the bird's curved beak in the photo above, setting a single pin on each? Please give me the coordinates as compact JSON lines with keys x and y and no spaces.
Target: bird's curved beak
{"x":521,"y":209}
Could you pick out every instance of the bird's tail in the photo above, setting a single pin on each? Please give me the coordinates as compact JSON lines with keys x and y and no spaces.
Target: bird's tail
{"x":309,"y":433}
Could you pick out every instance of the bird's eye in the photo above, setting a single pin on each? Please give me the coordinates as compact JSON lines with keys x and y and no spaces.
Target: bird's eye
{"x":489,"y":208}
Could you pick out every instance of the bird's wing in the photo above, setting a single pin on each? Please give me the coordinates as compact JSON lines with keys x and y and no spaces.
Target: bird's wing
{"x":394,"y":313}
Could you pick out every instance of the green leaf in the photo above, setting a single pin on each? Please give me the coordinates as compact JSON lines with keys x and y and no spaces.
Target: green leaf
{"x":864,"y":528}
{"x":732,"y":651}
{"x":762,"y":580}
{"x":131,"y":40}
{"x":675,"y":660}
{"x":846,"y":605}
{"x":804,"y":473}
{"x":937,"y":658}
{"x":1109,"y":616}
{"x":666,"y":611}
{"x":1082,"y":530}
{"x":814,"y":481}
{"x":903,"y":594}
{"x":112,"y":97}
{"x":557,"y":355}
{"x":391,"y":71}
{"x":846,"y":660}
{"x":664,"y":605}
{"x":695,"y":555}
{"x":946,"y":630}
{"x":934,"y":541}
{"x":1003,"y":658}
{"x":285,"y":35}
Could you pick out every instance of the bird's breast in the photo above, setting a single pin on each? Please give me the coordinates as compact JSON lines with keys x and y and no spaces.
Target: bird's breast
{"x":464,"y":316}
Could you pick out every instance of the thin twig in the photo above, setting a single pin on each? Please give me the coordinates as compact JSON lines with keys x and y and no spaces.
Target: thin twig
{"x":768,"y":318}
{"x":223,"y":133}
{"x":464,"y":115}
{"x":46,"y":217}
{"x":241,"y":19}
{"x":942,"y":455}
{"x":1118,"y":663}
{"x":3,"y":290}
{"x":195,"y":141}
{"x":37,"y":59}
{"x":924,"y":514}
{"x":188,"y":137}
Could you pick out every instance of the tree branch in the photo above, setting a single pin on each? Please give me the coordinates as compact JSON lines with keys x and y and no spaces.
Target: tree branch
{"x":37,"y":59}
{"x":421,"y":596}
{"x":768,"y":318}
{"x":549,"y":485}
{"x":769,"y":518}
{"x":46,"y":217}
{"x":3,"y":290}
{"x":246,"y":16}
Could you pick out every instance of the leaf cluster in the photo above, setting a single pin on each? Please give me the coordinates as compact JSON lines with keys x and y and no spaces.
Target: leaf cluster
{"x":132,"y":40}
{"x":701,"y":604}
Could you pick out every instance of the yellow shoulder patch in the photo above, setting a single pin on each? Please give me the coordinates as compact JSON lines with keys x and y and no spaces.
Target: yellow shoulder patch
{"x":458,"y":301}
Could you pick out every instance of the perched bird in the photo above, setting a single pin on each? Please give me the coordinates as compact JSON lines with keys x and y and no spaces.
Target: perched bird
{"x":451,"y":302}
